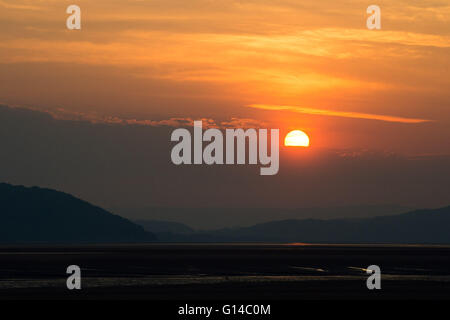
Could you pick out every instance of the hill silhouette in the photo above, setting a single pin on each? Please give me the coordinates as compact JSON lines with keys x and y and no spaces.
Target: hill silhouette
{"x":44,"y":215}
{"x":427,"y":226}
{"x":159,"y":226}
{"x":39,"y":215}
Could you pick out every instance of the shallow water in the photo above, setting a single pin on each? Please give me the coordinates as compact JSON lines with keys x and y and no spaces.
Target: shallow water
{"x":288,"y":270}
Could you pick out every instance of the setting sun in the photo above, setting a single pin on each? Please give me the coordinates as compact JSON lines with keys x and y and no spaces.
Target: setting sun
{"x":296,"y":138}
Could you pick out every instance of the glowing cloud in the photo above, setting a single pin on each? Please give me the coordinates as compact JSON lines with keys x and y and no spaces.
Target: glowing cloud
{"x":356,"y":115}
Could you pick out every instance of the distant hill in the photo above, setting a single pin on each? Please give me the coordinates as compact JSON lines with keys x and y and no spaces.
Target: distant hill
{"x":38,"y":215}
{"x":43,"y":215}
{"x":419,"y":226}
{"x":217,"y":218}
{"x":159,"y":226}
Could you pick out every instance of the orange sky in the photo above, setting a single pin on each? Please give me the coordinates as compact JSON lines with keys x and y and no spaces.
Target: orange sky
{"x":291,"y":64}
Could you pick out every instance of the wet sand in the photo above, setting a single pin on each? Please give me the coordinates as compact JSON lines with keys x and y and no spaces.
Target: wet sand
{"x":225,"y":271}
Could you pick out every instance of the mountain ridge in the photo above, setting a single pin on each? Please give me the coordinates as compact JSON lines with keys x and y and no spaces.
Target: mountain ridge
{"x":422,"y":226}
{"x":35,"y":214}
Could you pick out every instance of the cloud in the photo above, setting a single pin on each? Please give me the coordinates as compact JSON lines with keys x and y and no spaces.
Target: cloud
{"x":176,"y":122}
{"x":394,"y":37}
{"x":63,"y":114}
{"x":243,"y":123}
{"x":19,"y":6}
{"x":356,"y":115}
{"x":367,"y":154}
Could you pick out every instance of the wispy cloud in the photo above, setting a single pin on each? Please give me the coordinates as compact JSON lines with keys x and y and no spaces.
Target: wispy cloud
{"x":63,"y":114}
{"x":333,"y":113}
{"x":243,"y":123}
{"x":176,"y":122}
{"x":19,"y":6}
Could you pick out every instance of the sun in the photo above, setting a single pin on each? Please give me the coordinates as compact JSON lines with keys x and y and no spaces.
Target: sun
{"x":296,"y":138}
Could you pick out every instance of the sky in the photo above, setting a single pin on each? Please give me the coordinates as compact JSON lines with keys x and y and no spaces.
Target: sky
{"x":224,"y":59}
{"x":287,"y":64}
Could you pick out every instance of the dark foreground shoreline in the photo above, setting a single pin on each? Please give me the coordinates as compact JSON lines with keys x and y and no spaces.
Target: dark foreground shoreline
{"x":307,"y":290}
{"x":225,"y":271}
